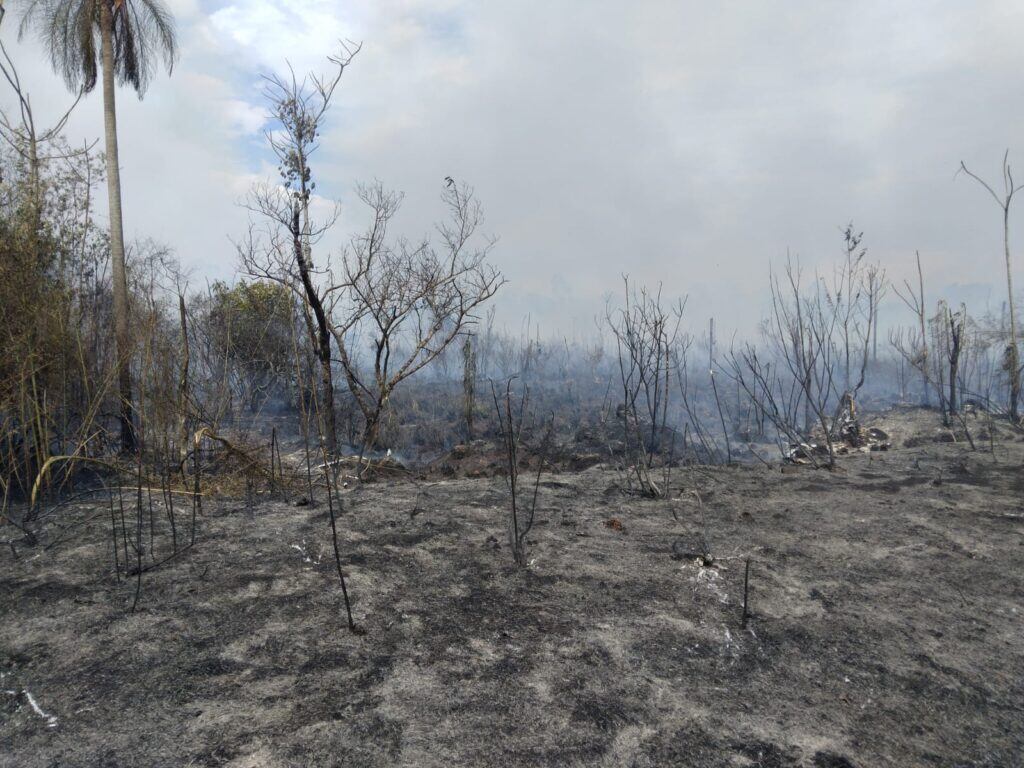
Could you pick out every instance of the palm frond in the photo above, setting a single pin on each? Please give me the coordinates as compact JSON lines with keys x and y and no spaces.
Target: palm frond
{"x":143,"y":34}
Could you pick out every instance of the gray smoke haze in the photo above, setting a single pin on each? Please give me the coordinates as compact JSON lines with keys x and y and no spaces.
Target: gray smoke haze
{"x":690,"y":143}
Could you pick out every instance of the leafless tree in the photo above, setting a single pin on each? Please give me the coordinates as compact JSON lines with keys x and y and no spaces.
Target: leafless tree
{"x":510,"y":424}
{"x":854,"y":296}
{"x":298,"y":107}
{"x":646,"y":333}
{"x":802,"y":331}
{"x":35,"y":146}
{"x":406,"y":301}
{"x":1012,"y":362}
{"x":912,"y":344}
{"x":819,"y":341}
{"x":694,"y":425}
{"x":778,"y":399}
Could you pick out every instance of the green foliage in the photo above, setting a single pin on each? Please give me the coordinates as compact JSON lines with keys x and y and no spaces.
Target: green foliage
{"x":251,"y":326}
{"x":53,"y":298}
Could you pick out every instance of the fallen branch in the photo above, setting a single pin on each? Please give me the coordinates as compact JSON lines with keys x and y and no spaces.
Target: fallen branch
{"x":252,"y":463}
{"x":68,"y":457}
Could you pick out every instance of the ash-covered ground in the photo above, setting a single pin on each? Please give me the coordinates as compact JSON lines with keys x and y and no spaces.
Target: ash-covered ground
{"x":886,"y":626}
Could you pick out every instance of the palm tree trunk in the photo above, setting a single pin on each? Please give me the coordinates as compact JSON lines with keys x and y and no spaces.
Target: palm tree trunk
{"x":120,"y":280}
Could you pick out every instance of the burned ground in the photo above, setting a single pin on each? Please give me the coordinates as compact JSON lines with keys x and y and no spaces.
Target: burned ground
{"x":887,"y":609}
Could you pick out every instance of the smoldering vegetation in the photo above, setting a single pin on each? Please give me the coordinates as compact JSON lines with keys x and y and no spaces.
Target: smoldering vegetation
{"x":330,"y":513}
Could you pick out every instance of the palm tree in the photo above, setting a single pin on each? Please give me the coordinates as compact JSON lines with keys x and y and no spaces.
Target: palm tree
{"x":131,"y":36}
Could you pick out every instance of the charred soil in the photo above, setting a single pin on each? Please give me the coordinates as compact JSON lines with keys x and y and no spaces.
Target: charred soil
{"x":886,"y":626}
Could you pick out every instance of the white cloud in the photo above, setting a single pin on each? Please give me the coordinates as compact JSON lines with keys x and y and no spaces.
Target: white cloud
{"x":244,"y":117}
{"x":680,"y":141}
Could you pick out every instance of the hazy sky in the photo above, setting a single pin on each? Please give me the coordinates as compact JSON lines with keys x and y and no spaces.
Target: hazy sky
{"x":687,"y":142}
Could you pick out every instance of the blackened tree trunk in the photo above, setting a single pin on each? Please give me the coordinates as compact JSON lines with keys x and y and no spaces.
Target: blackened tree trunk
{"x":1012,"y":354}
{"x":323,"y":338}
